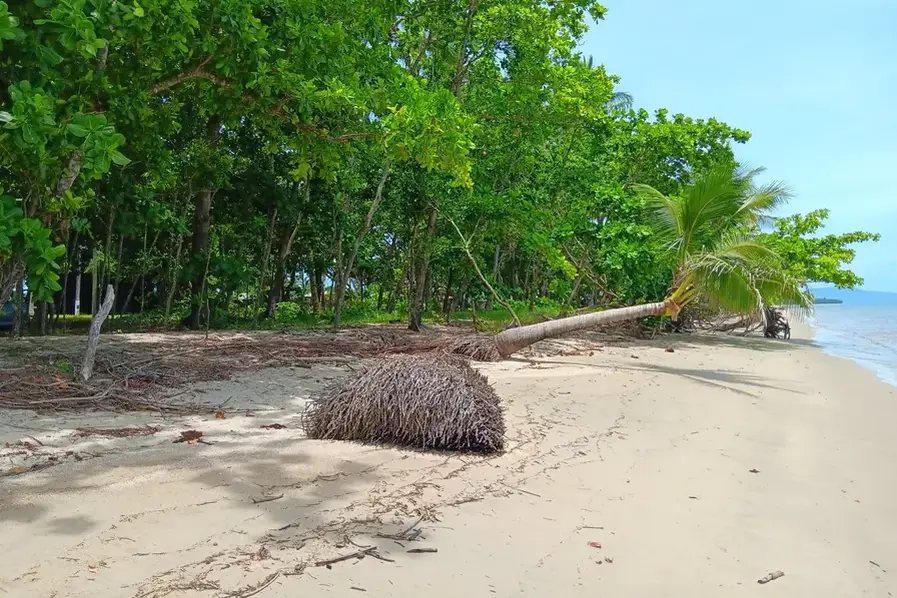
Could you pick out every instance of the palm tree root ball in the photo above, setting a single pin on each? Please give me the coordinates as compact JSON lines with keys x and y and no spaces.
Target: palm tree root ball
{"x":432,"y":401}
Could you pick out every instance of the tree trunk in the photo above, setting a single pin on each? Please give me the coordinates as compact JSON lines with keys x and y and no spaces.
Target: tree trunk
{"x":448,"y":292}
{"x":286,"y":247}
{"x":93,"y":337}
{"x":574,"y":292}
{"x":94,"y":294}
{"x":344,"y":271}
{"x":416,"y":302}
{"x":175,"y":268}
{"x":21,"y":306}
{"x":10,"y":274}
{"x":76,"y":308}
{"x":534,"y":287}
{"x":199,"y":247}
{"x":276,"y":290}
{"x":200,"y":241}
{"x":512,"y":340}
{"x":107,"y":252}
{"x":142,"y":275}
{"x":266,"y":254}
{"x":121,"y":239}
{"x":313,"y":284}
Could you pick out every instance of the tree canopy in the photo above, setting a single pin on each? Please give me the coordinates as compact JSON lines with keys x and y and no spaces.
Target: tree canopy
{"x":310,"y":159}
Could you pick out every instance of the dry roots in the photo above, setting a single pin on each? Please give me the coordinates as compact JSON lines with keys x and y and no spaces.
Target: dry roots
{"x":419,"y":401}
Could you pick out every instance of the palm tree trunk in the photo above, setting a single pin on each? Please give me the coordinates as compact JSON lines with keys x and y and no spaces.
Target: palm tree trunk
{"x":512,"y":340}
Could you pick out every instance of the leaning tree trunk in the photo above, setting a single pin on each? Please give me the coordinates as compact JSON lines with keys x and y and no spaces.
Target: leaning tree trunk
{"x":512,"y":340}
{"x":93,"y":337}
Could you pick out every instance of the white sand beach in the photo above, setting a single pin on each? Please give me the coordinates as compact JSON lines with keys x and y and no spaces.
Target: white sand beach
{"x":697,"y":472}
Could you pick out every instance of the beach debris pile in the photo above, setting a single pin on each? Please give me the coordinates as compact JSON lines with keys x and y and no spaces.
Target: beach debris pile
{"x":432,"y":401}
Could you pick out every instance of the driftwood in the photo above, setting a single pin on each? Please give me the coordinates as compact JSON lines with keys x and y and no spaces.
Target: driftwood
{"x":93,"y":337}
{"x":775,"y":323}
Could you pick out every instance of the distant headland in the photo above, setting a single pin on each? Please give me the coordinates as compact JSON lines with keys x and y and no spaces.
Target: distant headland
{"x":826,"y":301}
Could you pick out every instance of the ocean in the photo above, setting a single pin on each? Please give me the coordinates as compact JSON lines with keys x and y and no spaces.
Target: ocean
{"x":863,"y":329}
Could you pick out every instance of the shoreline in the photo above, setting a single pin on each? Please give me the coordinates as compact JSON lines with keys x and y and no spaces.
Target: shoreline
{"x":884,"y":372}
{"x":648,"y":452}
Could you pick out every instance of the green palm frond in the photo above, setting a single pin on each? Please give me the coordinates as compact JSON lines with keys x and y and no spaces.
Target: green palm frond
{"x":620,"y":100}
{"x":757,"y":206}
{"x":778,"y":288}
{"x":663,"y":212}
{"x":713,"y":199}
{"x":747,"y":250}
{"x":724,"y":284}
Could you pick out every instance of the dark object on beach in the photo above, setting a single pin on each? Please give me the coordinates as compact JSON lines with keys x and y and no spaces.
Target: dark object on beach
{"x":418,"y":401}
{"x":776,"y":323}
{"x":753,"y":471}
{"x":190,"y":437}
{"x":274,"y":427}
{"x":771,"y":577}
{"x":670,"y":350}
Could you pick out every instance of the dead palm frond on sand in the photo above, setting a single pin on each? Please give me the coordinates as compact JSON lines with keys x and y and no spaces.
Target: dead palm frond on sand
{"x":431,"y":401}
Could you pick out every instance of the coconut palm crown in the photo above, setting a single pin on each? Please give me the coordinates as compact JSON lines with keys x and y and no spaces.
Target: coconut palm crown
{"x":711,"y":230}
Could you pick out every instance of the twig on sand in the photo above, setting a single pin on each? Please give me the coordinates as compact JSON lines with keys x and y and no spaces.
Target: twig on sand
{"x":253,"y":590}
{"x":520,"y":490}
{"x":258,"y":501}
{"x":407,"y":535}
{"x":421,"y":550}
{"x":359,"y":554}
{"x":463,"y":501}
{"x":771,"y":577}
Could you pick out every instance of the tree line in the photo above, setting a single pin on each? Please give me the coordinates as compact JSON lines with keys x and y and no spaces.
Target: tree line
{"x":250,"y":160}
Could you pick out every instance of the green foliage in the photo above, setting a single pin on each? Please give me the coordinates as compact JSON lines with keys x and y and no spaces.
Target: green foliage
{"x":288,"y":313}
{"x":233,"y":154}
{"x":810,"y":257}
{"x":25,"y":239}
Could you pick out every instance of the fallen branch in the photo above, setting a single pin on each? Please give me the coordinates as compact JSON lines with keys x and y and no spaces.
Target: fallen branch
{"x":359,"y":554}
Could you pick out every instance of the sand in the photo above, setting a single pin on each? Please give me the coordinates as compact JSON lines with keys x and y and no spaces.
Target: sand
{"x":697,"y":472}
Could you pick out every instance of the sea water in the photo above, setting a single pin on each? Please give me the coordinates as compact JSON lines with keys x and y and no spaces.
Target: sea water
{"x":863,"y":331}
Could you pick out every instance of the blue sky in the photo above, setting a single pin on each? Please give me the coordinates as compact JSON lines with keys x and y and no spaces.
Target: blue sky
{"x":814,"y":82}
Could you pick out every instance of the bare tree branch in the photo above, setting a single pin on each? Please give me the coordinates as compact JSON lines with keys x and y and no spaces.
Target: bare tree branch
{"x":465,"y":245}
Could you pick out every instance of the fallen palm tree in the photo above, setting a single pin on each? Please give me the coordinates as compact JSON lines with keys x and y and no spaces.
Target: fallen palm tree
{"x":430,"y":401}
{"x":716,"y":261}
{"x":438,"y":402}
